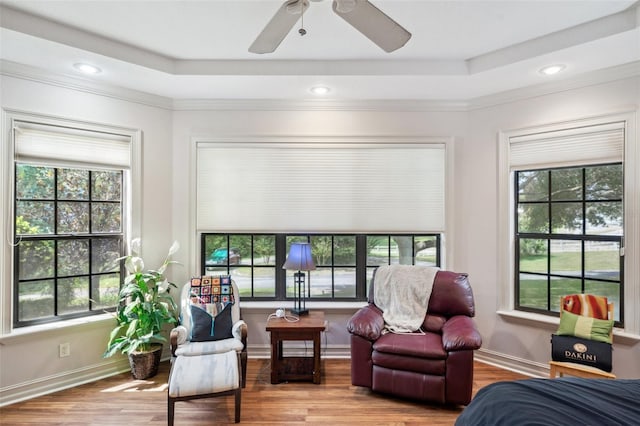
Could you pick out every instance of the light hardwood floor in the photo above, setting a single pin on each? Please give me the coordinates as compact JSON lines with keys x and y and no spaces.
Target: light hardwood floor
{"x":120,"y":400}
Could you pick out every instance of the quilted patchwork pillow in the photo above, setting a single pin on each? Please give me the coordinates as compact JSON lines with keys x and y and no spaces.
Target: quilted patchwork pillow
{"x":212,"y":289}
{"x":585,"y":327}
{"x":211,"y":303}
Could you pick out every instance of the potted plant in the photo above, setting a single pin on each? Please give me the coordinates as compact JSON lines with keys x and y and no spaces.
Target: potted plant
{"x":145,"y":307}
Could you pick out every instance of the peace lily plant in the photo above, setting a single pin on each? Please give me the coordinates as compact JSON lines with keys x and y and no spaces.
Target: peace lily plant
{"x":145,"y":305}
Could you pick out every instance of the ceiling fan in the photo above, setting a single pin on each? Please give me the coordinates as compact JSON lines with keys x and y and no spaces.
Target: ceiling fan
{"x":361,"y":14}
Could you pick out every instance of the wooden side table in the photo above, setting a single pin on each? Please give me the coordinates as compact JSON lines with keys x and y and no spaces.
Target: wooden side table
{"x":293,"y":368}
{"x":578,"y":370}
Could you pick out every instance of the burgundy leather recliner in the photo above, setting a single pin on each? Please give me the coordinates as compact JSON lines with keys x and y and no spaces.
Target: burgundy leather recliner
{"x":436,"y":366}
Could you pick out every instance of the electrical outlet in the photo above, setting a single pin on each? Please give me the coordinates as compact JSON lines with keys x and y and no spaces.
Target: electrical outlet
{"x":326,"y":326}
{"x":64,"y":349}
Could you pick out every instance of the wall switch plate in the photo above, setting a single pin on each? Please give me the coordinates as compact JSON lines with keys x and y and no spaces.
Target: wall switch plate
{"x":64,"y":350}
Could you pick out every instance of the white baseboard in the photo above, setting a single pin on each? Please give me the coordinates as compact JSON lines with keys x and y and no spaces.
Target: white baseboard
{"x":511,"y":363}
{"x":73,"y":378}
{"x":499,"y":360}
{"x":61,"y":381}
{"x":67,"y":379}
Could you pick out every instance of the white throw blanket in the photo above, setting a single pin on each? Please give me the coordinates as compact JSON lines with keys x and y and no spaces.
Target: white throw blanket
{"x":402,"y":293}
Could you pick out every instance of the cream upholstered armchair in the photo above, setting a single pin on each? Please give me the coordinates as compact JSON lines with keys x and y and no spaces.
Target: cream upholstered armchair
{"x":209,"y":347}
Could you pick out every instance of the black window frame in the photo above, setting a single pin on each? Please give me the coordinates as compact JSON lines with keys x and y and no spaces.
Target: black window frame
{"x":549,"y":236}
{"x":94,"y":308}
{"x":363,"y":270}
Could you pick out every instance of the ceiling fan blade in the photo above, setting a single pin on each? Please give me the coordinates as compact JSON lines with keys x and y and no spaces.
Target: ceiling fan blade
{"x":279,"y":26}
{"x":373,"y":23}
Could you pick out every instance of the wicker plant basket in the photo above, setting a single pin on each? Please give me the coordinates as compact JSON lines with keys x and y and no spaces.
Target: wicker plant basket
{"x":145,"y":364}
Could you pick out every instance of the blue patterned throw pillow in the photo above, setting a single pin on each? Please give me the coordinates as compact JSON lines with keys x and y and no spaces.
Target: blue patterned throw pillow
{"x":205,"y":327}
{"x":211,"y":303}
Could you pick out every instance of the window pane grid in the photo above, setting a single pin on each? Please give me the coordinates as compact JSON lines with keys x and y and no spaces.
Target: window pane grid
{"x":57,"y":279}
{"x":250,"y":259}
{"x":343,"y":266}
{"x":63,"y":269}
{"x":568,"y":234}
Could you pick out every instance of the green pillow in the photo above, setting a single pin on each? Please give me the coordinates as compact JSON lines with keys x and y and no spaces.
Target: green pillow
{"x":585,"y":327}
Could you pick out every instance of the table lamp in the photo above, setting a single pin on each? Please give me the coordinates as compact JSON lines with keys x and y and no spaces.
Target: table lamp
{"x":299,"y":259}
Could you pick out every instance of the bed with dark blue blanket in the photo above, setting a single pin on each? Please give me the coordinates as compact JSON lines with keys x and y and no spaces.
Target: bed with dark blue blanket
{"x":561,"y":401}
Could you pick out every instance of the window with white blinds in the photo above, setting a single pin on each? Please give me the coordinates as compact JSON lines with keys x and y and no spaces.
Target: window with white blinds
{"x":73,"y":186}
{"x":596,"y":144}
{"x":566,"y":214}
{"x":316,"y":187}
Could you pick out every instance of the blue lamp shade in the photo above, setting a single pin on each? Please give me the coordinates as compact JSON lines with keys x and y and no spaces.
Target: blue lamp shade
{"x":299,"y":258}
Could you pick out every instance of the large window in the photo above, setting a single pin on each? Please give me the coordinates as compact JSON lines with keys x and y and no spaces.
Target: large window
{"x":568,"y":216}
{"x":71,"y":208}
{"x":344,"y":262}
{"x":329,"y":191}
{"x":69,"y":227}
{"x":568,"y":235}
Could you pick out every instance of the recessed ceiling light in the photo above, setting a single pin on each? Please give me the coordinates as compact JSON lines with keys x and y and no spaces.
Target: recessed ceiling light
{"x":320,"y":90}
{"x":87,"y":68}
{"x":552,"y":69}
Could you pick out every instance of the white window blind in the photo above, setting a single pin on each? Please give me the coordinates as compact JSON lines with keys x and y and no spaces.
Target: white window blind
{"x":63,"y":146}
{"x":603,"y":143}
{"x":248,"y":187}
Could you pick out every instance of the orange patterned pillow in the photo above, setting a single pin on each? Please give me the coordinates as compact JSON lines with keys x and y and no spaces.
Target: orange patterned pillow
{"x":586,"y":305}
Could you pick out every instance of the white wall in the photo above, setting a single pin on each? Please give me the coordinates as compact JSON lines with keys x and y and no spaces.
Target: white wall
{"x":188,"y":125}
{"x":167,"y":213}
{"x":524,"y":345}
{"x":512,"y":341}
{"x":29,"y":362}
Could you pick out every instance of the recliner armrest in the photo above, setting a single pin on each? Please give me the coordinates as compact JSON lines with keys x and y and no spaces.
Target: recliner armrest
{"x":367,"y":323}
{"x":460,"y":333}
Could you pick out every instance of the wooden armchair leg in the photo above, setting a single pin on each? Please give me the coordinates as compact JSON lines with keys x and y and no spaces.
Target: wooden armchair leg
{"x":238,"y":398}
{"x":243,"y":368}
{"x":171,"y":410}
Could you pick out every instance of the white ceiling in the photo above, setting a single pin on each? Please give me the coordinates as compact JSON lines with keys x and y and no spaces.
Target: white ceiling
{"x":186,"y":49}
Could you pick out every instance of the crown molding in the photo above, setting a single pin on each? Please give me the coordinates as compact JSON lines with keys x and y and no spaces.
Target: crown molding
{"x":39,"y":75}
{"x":593,"y":78}
{"x":626,"y":20}
{"x":26,"y":72}
{"x":400,"y":105}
